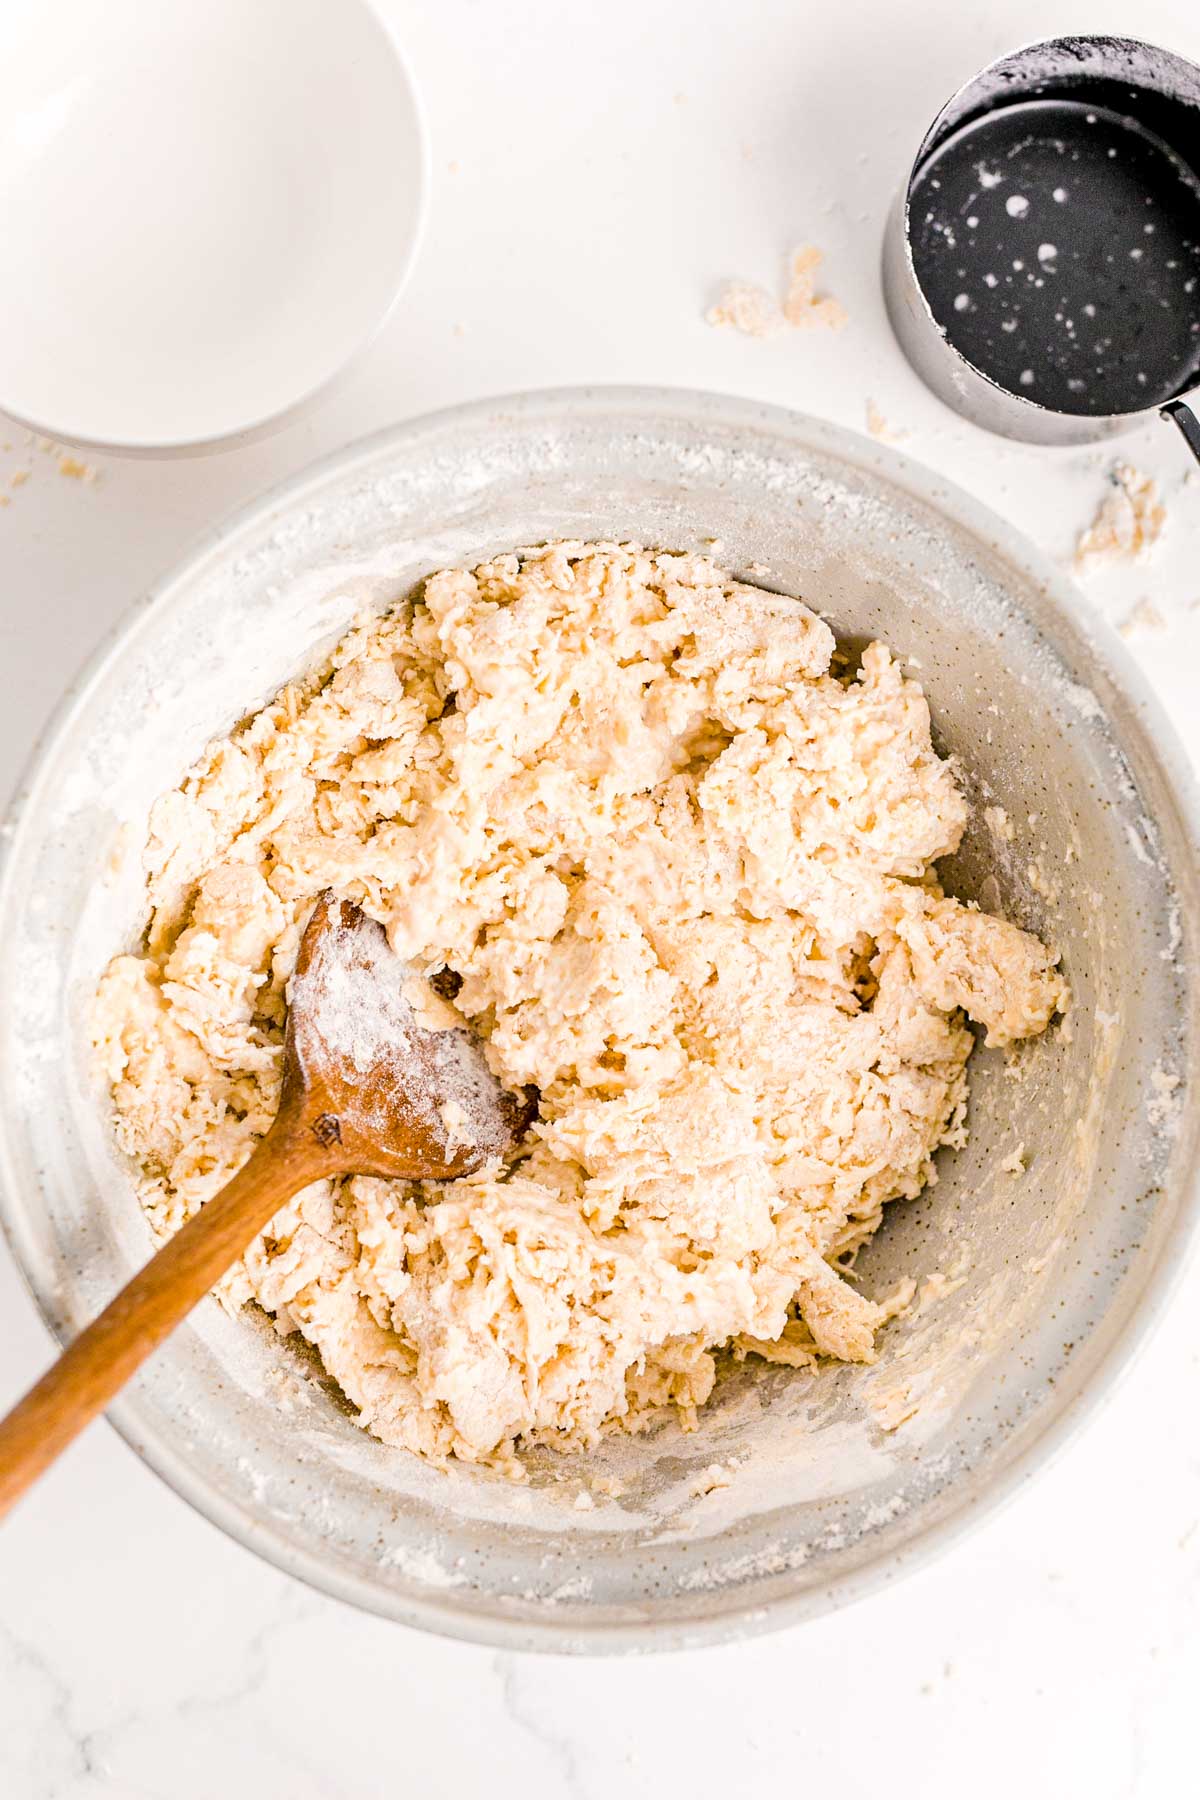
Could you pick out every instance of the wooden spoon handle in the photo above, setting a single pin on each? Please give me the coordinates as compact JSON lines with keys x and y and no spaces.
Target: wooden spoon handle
{"x":104,"y":1356}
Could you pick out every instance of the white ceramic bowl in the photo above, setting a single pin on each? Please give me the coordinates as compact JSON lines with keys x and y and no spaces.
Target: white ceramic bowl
{"x":839,"y":1478}
{"x":209,"y":206}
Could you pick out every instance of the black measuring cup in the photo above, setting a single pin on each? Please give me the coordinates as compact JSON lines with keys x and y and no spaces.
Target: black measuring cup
{"x":1041,"y":264}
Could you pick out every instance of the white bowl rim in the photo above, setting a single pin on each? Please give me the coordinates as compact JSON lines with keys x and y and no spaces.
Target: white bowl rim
{"x":731,"y":1618}
{"x":248,"y":431}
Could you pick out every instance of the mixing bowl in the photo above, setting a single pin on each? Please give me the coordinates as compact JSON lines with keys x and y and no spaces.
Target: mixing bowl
{"x":798,"y":1489}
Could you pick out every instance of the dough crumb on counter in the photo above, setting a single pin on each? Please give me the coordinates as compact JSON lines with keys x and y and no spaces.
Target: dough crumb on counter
{"x":68,"y":465}
{"x":879,"y":427}
{"x":76,"y":470}
{"x":755,"y":312}
{"x":1128,"y":523}
{"x":1143,"y":615}
{"x":802,"y":306}
{"x":680,"y":877}
{"x":749,"y":309}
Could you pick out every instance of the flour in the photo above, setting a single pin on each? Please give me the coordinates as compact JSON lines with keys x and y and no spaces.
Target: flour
{"x":356,"y":1007}
{"x":357,"y":1004}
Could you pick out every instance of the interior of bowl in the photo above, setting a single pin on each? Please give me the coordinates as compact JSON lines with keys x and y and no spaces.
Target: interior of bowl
{"x":796,"y":1488}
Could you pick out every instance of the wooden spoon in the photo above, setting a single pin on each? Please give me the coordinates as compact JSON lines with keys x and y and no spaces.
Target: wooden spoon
{"x":366,"y":1090}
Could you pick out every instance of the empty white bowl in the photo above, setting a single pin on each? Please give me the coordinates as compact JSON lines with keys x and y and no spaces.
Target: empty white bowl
{"x":209,"y":207}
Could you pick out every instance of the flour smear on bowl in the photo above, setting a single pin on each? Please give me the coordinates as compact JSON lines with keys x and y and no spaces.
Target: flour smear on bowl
{"x":675,"y":865}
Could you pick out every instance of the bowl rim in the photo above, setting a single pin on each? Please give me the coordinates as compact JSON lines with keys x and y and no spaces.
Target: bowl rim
{"x":243,"y":432}
{"x":730,"y":1618}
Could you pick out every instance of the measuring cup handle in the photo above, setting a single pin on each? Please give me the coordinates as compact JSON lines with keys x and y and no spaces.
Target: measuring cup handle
{"x":1181,"y":414}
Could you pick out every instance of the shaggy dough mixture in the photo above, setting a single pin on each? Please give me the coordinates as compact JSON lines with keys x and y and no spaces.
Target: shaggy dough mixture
{"x":685,"y":876}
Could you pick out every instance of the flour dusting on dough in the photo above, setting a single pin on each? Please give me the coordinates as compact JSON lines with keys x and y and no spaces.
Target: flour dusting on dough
{"x":679,"y":878}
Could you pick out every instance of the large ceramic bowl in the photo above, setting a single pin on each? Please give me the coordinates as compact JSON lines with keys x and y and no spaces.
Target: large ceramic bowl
{"x":1036,"y":1284}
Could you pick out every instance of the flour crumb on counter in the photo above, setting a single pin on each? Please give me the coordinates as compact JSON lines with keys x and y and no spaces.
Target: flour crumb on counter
{"x":1014,"y":1163}
{"x":1128,"y":523}
{"x":999,"y":824}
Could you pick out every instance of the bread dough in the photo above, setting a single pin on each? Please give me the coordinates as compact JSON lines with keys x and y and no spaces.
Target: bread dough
{"x":684,"y":873}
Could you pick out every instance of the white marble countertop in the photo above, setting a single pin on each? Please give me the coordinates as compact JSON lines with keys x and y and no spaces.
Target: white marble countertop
{"x":598,"y":171}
